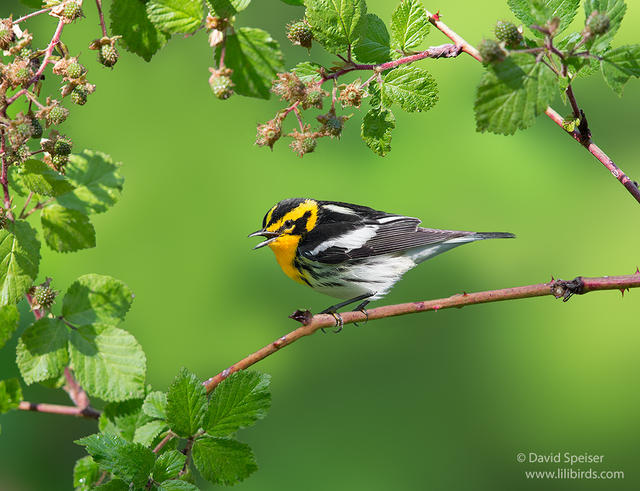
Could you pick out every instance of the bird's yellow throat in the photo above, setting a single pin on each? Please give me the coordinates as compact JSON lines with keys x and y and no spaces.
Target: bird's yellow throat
{"x":284,"y":248}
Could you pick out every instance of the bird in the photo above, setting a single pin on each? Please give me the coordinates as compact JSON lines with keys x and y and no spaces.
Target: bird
{"x":352,"y":252}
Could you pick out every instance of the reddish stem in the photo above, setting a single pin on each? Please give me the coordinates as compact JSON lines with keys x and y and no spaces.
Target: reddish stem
{"x":87,"y":412}
{"x":101,"y":16}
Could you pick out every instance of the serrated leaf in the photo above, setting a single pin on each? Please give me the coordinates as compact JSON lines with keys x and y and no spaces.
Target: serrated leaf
{"x":239,"y":401}
{"x":538,"y":12}
{"x":227,"y":8}
{"x":97,"y":300}
{"x":186,"y":404}
{"x":615,"y":9}
{"x":15,"y":181}
{"x":67,"y":230}
{"x":148,"y":432}
{"x":308,"y":71}
{"x":122,"y":418}
{"x":38,"y":177}
{"x":375,"y":45}
{"x":409,"y":25}
{"x":155,"y":405}
{"x":42,"y":350}
{"x":168,"y":465}
{"x":131,"y":462}
{"x":85,"y":473}
{"x":97,"y":180}
{"x":619,"y":65}
{"x":177,"y":485}
{"x":223,"y":461}
{"x":255,"y":58}
{"x":512,"y":94}
{"x":413,"y":88}
{"x":10,"y":394}
{"x":129,"y":19}
{"x":336,"y":24}
{"x":108,"y":362}
{"x":19,"y":260}
{"x":176,"y":16}
{"x":377,"y":125}
{"x":9,"y":317}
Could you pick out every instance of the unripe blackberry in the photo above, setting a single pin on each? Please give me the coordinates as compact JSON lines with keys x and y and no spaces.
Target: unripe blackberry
{"x":57,"y":115}
{"x":19,"y":155}
{"x":491,"y":52}
{"x":62,"y":146}
{"x":44,"y":296}
{"x":6,"y":33}
{"x":24,"y":129}
{"x":299,"y":33}
{"x":598,"y":23}
{"x":303,"y":143}
{"x":108,"y":55}
{"x":36,"y":128}
{"x":508,"y":33}
{"x":308,"y":145}
{"x":351,"y":95}
{"x":79,"y":95}
{"x":269,"y":133}
{"x":74,"y":70}
{"x":221,"y":85}
{"x":71,"y":11}
{"x":59,"y":161}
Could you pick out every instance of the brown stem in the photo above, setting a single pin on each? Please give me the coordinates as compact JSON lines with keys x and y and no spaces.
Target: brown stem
{"x":4,"y":173}
{"x":32,"y":14}
{"x":101,"y":16}
{"x":311,"y":323}
{"x":164,"y":441}
{"x":87,"y":412}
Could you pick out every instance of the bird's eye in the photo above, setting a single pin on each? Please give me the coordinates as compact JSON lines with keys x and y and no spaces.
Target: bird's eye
{"x":288,"y":224}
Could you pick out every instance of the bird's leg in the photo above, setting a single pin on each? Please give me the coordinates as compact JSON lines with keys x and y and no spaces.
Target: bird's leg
{"x":334,"y":308}
{"x":361,"y":308}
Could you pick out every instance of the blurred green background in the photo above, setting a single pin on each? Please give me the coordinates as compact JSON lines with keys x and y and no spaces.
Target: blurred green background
{"x":434,"y":401}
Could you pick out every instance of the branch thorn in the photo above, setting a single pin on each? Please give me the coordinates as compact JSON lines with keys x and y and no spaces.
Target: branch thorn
{"x":302,"y":316}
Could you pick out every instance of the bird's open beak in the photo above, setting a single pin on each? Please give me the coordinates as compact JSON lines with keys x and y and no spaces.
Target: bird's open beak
{"x":271,"y":236}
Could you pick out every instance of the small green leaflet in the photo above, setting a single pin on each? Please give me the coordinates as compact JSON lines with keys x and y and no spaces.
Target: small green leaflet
{"x":122,"y":418}
{"x":10,"y":394}
{"x":377,"y":125}
{"x":108,"y":362}
{"x":223,"y":461}
{"x":540,"y":11}
{"x":409,"y":25}
{"x":42,"y":350}
{"x":615,"y":9}
{"x":308,"y":71}
{"x":336,"y":24}
{"x":38,"y":177}
{"x":168,"y":465}
{"x":129,"y":19}
{"x":155,"y":405}
{"x":97,"y":300}
{"x":97,"y":180}
{"x":619,"y":65}
{"x":186,"y":404}
{"x":255,"y":58}
{"x":512,"y":94}
{"x":67,"y":230}
{"x":176,"y":16}
{"x":374,"y":46}
{"x":147,"y":433}
{"x":9,"y":317}
{"x":413,"y":88}
{"x":19,"y":260}
{"x":85,"y":473}
{"x":239,"y":401}
{"x":131,"y":462}
{"x":227,"y":8}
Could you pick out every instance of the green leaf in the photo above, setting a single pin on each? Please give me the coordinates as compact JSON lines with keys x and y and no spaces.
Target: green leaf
{"x":97,"y":300}
{"x":19,"y":259}
{"x":239,"y":401}
{"x":222,"y":460}
{"x":186,"y":404}
{"x":97,"y":180}
{"x":85,"y":474}
{"x":177,"y":485}
{"x":10,"y":394}
{"x":176,"y":16}
{"x":9,"y":317}
{"x":67,"y":230}
{"x":113,"y":485}
{"x":409,"y":25}
{"x":129,"y":19}
{"x":122,"y":418}
{"x":147,"y":433}
{"x":131,"y":462}
{"x":308,"y":71}
{"x":615,"y":9}
{"x":377,"y":125}
{"x":42,"y":350}
{"x":619,"y":65}
{"x":108,"y":362}
{"x":155,"y":405}
{"x":42,"y":179}
{"x":227,"y":8}
{"x":168,"y":465}
{"x":512,"y":94}
{"x":374,"y":47}
{"x":412,"y":87}
{"x":255,"y":58}
{"x":336,"y":24}
{"x":540,"y":11}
